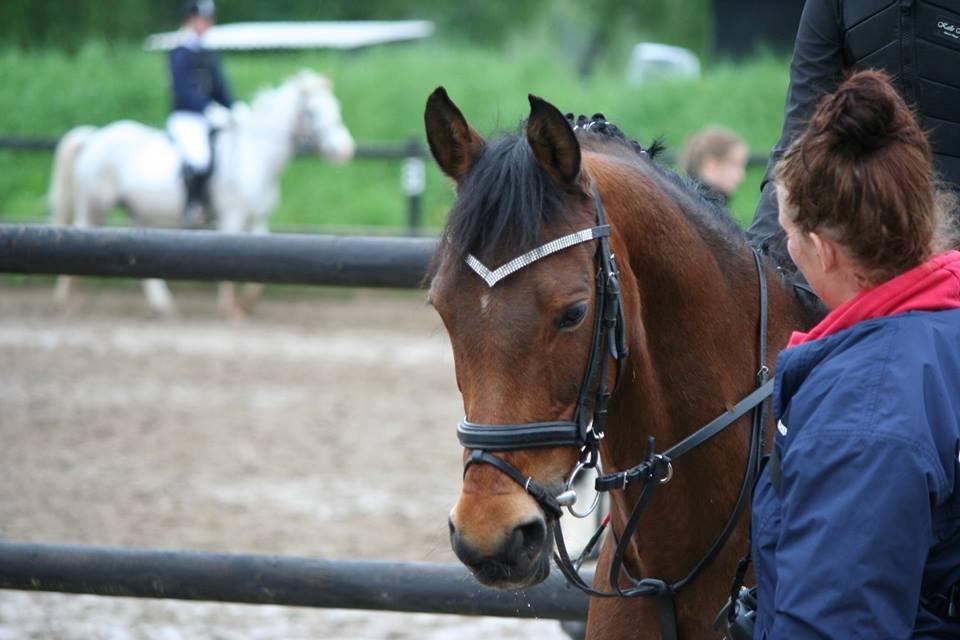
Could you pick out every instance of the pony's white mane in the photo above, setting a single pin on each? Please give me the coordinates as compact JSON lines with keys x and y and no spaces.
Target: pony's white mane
{"x":306,"y":80}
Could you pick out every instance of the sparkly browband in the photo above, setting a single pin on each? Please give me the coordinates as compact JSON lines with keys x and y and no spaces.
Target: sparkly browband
{"x":495,"y":276}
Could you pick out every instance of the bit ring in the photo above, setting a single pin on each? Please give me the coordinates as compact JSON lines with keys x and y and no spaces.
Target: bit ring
{"x":596,"y":498}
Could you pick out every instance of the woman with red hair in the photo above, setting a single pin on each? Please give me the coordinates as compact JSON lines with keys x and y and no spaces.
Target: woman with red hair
{"x":856,"y":516}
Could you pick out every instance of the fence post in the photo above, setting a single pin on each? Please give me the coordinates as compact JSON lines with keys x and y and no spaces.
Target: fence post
{"x":413,"y":176}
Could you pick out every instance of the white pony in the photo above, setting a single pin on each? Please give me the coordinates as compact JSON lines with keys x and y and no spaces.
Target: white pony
{"x":138,"y":167}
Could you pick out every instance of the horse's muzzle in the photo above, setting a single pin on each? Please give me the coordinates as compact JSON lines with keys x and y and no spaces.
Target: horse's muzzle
{"x":522,"y":560}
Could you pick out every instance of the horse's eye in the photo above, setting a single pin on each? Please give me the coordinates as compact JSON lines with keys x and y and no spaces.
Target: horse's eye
{"x":572,"y":316}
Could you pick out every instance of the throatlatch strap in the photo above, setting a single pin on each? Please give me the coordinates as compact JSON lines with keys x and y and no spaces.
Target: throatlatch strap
{"x":759,"y":431}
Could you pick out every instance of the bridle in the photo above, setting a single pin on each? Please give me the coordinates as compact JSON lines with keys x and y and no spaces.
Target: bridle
{"x":609,"y":342}
{"x":585,"y":430}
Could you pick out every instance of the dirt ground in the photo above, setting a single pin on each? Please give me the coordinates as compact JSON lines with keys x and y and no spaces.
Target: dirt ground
{"x":322,"y":426}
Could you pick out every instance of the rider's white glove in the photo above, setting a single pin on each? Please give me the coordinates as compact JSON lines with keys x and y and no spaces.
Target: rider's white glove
{"x":217,"y":115}
{"x":240,"y":111}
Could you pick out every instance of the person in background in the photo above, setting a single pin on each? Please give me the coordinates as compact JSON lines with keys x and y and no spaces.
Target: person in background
{"x":856,"y":515}
{"x":717,"y":157}
{"x":917,"y":42}
{"x":201,"y":97}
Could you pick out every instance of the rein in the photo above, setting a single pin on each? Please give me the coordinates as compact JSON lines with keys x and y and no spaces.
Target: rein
{"x":656,"y":468}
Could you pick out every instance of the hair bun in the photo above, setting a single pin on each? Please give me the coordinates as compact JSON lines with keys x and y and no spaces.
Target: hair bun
{"x":862,"y":169}
{"x":864,"y":115}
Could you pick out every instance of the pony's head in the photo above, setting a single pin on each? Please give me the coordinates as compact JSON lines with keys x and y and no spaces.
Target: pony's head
{"x":319,"y":125}
{"x":521,"y":337}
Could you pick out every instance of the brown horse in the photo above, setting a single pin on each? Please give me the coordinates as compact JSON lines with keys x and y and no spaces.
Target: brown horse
{"x":690,"y":307}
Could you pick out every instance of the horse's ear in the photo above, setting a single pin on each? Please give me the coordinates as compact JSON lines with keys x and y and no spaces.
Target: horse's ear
{"x":454,"y":145}
{"x":553,"y":142}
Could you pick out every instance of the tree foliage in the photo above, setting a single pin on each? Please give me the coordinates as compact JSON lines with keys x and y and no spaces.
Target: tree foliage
{"x":69,"y":23}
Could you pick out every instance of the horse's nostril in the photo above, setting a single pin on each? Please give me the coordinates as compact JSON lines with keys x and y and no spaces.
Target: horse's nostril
{"x":450,"y":526}
{"x":464,"y":551}
{"x":528,"y":539}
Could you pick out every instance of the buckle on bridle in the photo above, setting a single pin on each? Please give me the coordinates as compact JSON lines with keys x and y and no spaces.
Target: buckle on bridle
{"x":590,"y":449}
{"x":763,"y":374}
{"x":660,"y":460}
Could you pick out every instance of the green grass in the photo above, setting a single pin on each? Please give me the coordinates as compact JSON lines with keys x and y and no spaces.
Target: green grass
{"x":382,"y":92}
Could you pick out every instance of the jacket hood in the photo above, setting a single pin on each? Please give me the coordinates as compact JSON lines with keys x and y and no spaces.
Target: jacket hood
{"x":931,"y":286}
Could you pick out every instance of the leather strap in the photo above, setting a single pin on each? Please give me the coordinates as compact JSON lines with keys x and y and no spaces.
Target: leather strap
{"x":625,"y":478}
{"x":541,"y":495}
{"x":667,"y":609}
{"x":510,"y":437}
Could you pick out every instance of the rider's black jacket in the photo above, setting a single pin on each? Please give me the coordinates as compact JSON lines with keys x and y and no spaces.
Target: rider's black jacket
{"x":916,"y":41}
{"x":197,"y":79}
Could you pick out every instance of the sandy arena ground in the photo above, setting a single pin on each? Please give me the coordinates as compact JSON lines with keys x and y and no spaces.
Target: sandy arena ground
{"x":323,"y":426}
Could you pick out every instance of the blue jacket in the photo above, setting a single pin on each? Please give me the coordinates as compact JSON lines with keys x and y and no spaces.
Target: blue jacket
{"x":197,"y":79}
{"x":863,"y":526}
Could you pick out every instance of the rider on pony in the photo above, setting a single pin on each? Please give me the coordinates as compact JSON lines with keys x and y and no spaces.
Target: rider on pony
{"x":200,"y":97}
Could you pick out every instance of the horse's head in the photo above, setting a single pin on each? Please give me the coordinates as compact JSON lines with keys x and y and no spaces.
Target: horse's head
{"x":320,"y":126}
{"x":522,"y":343}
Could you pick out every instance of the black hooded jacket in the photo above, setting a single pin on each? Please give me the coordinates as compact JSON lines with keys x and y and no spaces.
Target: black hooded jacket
{"x":917,"y":42}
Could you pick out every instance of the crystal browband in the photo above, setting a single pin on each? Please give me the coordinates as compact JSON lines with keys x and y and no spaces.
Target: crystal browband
{"x":498,"y":274}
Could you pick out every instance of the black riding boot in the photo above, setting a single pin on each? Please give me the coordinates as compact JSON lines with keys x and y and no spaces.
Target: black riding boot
{"x":195,"y":212}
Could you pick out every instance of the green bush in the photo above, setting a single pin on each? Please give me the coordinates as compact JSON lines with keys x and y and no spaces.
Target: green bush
{"x":68,"y":24}
{"x":382,"y":92}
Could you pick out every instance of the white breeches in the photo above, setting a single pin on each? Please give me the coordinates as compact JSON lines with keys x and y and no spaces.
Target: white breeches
{"x":191,"y":133}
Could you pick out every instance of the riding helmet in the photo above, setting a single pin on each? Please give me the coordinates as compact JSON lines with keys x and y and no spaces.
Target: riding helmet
{"x":202,"y":8}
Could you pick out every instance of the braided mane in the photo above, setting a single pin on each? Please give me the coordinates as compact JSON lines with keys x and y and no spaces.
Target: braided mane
{"x":507,"y":201}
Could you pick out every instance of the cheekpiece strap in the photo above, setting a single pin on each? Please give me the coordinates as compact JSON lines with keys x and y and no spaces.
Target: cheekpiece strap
{"x":498,"y":274}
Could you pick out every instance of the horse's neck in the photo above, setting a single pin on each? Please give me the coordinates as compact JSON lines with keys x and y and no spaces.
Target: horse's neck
{"x":691,"y":322}
{"x":692,"y":316}
{"x":266,"y":136}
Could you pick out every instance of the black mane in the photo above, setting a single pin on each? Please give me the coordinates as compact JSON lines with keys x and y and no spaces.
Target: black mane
{"x":598,"y":125}
{"x":505,"y":201}
{"x":508,"y":199}
{"x":705,"y":199}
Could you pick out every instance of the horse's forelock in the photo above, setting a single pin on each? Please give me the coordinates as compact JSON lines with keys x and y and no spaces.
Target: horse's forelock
{"x":504,"y":204}
{"x":507,"y":202}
